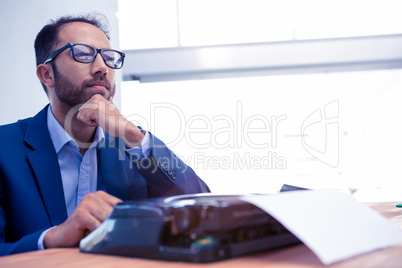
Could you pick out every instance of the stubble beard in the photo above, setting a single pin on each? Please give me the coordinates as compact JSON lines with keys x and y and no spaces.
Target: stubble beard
{"x":73,"y":96}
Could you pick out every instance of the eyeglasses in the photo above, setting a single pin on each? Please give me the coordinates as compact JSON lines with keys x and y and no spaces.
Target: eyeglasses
{"x":87,"y":54}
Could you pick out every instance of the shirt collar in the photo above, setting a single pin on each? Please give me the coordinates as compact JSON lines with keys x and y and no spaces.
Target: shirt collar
{"x":60,"y":137}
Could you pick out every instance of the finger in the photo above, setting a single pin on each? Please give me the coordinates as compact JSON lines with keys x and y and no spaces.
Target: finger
{"x":70,"y":232}
{"x":91,"y":223}
{"x":81,"y":220}
{"x":99,"y":204}
{"x":112,"y":200}
{"x":88,"y":116}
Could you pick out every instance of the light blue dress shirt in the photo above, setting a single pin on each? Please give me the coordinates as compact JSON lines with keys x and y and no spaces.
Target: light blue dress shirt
{"x":79,"y":173}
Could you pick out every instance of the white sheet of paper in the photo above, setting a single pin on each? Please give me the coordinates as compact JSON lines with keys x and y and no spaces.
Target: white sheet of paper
{"x":332,"y":224}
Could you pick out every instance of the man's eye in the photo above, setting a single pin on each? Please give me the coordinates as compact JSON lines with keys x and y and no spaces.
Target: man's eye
{"x":83,"y":56}
{"x":109,"y":59}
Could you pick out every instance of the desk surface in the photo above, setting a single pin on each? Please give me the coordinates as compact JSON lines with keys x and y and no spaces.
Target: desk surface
{"x":293,"y":256}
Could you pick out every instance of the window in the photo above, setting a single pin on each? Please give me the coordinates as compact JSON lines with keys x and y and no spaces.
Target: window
{"x":169,"y":23}
{"x":245,"y":134}
{"x":252,"y":134}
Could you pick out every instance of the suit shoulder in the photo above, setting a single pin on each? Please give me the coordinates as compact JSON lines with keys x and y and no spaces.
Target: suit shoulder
{"x":14,"y":129}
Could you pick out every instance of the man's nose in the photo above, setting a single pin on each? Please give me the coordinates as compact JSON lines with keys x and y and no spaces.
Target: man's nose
{"x":99,"y":66}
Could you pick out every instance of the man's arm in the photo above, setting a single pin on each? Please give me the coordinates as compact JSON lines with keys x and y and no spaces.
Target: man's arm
{"x":26,"y":243}
{"x":89,"y":214}
{"x":98,"y":111}
{"x":163,"y":171}
{"x":86,"y":217}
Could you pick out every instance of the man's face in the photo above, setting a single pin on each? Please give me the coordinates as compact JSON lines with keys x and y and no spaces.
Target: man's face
{"x":75,"y":82}
{"x":71,"y":94}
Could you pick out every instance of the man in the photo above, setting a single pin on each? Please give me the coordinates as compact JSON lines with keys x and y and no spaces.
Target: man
{"x":63,"y":170}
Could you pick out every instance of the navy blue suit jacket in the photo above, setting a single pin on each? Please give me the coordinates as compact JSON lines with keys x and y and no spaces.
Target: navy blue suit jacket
{"x":31,"y":191}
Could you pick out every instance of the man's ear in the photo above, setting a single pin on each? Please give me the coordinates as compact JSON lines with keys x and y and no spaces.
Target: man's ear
{"x":45,"y":74}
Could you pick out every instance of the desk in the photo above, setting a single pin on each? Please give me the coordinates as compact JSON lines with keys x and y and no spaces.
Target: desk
{"x":293,"y":256}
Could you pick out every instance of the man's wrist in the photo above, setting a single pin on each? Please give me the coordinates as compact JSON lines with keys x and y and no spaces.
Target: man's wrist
{"x":49,"y":240}
{"x":133,"y":136}
{"x":144,"y":150}
{"x":42,"y":238}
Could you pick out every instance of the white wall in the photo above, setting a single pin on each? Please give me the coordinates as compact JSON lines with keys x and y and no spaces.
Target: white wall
{"x":21,"y":94}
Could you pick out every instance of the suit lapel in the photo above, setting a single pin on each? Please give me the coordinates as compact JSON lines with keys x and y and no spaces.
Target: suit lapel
{"x":43,"y":160}
{"x":111,"y":168}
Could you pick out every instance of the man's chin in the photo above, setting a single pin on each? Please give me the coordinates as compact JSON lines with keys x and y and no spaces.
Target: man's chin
{"x":105,"y":94}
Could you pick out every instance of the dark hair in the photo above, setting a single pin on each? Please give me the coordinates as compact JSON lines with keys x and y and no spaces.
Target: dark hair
{"x":48,"y":37}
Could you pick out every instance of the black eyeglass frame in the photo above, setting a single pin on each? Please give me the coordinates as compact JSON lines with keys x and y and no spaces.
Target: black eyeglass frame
{"x":100,"y":51}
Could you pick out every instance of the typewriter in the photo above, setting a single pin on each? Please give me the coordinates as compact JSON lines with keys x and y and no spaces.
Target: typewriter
{"x":190,"y":228}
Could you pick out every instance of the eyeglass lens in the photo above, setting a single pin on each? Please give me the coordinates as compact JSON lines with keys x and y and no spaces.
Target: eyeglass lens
{"x":83,"y":53}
